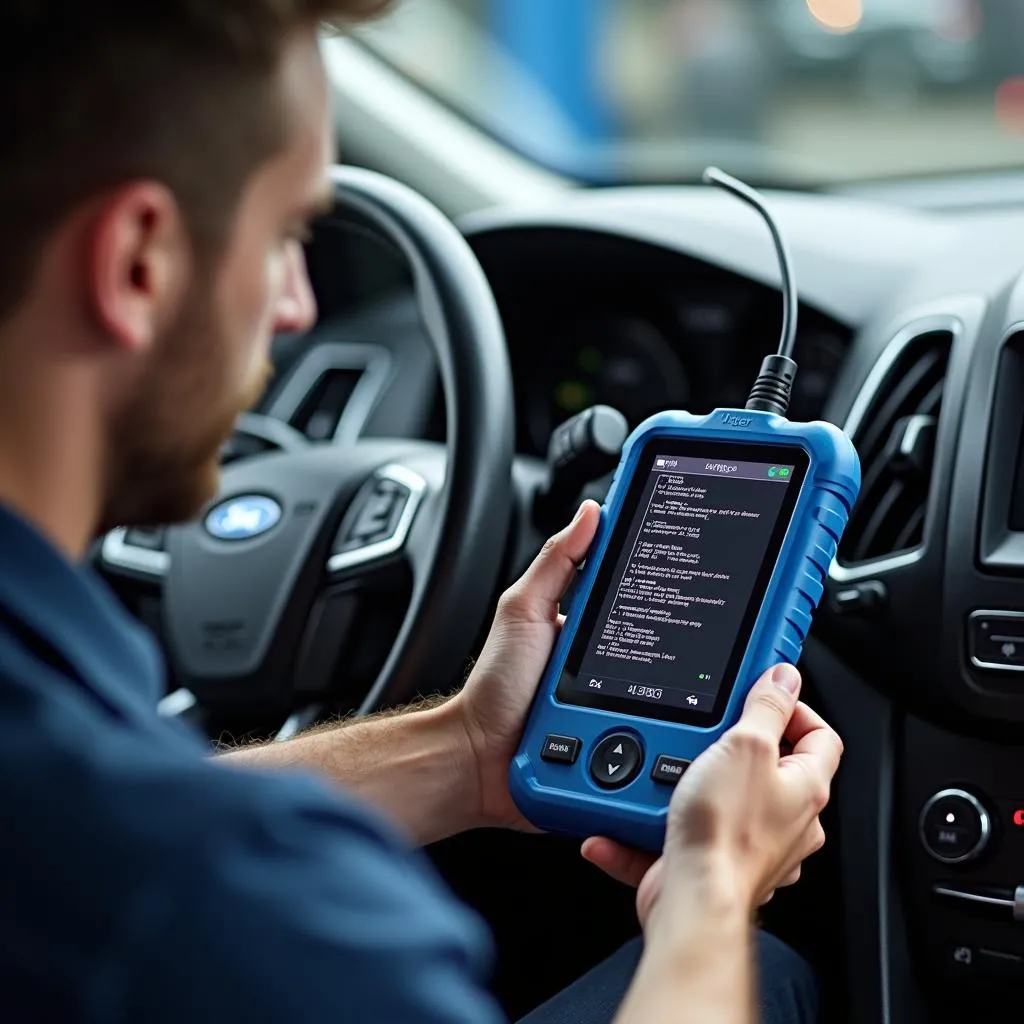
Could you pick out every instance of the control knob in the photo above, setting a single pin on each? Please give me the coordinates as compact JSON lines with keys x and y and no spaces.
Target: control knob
{"x":955,"y":827}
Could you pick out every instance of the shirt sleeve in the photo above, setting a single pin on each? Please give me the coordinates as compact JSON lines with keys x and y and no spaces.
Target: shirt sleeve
{"x":295,"y":905}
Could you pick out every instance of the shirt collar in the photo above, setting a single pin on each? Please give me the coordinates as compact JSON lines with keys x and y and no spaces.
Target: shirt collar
{"x":72,"y":610}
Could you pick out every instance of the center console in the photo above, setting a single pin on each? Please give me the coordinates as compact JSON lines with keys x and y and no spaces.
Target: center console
{"x":927,"y":604}
{"x":961,"y":814}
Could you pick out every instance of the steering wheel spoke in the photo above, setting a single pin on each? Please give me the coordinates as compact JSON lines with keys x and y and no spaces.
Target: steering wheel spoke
{"x":136,"y":552}
{"x":177,"y":703}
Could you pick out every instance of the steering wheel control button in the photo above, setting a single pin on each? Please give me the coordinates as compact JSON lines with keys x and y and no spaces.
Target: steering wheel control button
{"x":616,"y":761}
{"x":669,"y":770}
{"x":376,"y":516}
{"x":954,"y":826}
{"x":996,"y":641}
{"x":561,"y":749}
{"x":378,"y":520}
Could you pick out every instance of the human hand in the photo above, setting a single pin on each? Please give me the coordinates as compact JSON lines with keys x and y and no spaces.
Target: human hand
{"x":744,"y":817}
{"x":493,"y":705}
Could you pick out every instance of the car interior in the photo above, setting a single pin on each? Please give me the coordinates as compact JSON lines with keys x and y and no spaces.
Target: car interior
{"x":472,"y":297}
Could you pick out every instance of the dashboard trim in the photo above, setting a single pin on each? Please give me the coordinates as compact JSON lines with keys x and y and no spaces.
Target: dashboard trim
{"x":1007,"y":552}
{"x":972,"y":897}
{"x":905,"y":336}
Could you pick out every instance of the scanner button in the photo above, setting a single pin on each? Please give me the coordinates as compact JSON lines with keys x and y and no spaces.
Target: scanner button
{"x":616,"y":761}
{"x":563,"y":749}
{"x":669,"y":769}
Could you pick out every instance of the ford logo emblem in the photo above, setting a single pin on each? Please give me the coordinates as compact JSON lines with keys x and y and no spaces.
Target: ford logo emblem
{"x":243,"y":518}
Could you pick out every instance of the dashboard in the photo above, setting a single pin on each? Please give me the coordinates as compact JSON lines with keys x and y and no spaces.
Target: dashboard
{"x":592,"y":318}
{"x":912,"y":338}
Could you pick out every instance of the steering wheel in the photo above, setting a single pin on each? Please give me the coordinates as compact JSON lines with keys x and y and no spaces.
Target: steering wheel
{"x":260,"y":594}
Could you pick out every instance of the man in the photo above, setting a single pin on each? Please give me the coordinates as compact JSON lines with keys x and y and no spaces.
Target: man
{"x":161,"y":163}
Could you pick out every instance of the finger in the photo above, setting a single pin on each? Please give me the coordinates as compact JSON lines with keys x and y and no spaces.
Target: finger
{"x":619,"y":862}
{"x":791,"y":879}
{"x":815,"y":838}
{"x":788,"y":876}
{"x":536,"y":594}
{"x":771,"y":702}
{"x":649,"y":890}
{"x":812,"y":840}
{"x":803,"y":721}
{"x":817,"y":752}
{"x":824,"y":744}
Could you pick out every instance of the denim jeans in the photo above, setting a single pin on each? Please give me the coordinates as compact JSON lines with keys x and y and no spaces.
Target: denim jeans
{"x":788,"y":991}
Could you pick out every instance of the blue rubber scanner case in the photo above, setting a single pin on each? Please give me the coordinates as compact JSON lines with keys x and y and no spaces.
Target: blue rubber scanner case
{"x":558,"y":792}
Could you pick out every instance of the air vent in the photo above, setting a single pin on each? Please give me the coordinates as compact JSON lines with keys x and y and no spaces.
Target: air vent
{"x":319,"y":414}
{"x":895,"y":437}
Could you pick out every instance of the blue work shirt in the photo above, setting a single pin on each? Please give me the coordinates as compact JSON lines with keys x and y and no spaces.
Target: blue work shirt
{"x":142,"y":881}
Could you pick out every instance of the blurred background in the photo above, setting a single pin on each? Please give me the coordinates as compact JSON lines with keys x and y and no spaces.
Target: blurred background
{"x":785,"y":92}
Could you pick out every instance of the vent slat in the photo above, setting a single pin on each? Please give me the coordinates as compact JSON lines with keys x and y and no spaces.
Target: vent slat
{"x":889,"y":516}
{"x":902,"y":399}
{"x":932,"y":402}
{"x":873,"y":533}
{"x":911,"y":534}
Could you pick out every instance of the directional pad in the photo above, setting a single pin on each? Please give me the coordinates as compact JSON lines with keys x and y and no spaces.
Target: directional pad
{"x":616,"y":761}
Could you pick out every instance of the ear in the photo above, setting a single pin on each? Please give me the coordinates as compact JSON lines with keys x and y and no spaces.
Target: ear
{"x":139,"y":263}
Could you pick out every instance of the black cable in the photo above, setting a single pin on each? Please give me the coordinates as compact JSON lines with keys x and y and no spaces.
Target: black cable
{"x":713,"y":176}
{"x":774,"y":385}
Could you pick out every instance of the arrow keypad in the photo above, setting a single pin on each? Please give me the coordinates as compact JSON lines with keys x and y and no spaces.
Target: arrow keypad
{"x":616,"y":761}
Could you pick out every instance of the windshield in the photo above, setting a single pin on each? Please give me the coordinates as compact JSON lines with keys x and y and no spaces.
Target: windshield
{"x":780,"y":91}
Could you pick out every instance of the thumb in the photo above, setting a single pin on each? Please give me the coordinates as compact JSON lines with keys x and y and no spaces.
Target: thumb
{"x":620,"y":862}
{"x":772,"y":701}
{"x":537,"y":593}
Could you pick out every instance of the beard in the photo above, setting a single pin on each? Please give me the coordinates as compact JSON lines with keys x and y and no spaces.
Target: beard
{"x":166,"y":441}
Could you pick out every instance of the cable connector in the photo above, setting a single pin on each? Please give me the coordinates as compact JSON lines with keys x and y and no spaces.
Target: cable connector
{"x":774,"y":386}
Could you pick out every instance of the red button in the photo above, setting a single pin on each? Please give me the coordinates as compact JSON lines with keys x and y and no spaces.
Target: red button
{"x":1018,"y":817}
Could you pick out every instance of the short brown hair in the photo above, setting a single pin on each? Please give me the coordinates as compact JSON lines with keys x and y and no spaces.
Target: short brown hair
{"x":97,"y":93}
